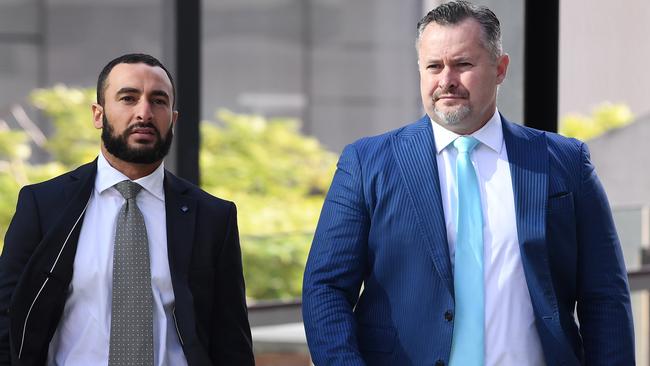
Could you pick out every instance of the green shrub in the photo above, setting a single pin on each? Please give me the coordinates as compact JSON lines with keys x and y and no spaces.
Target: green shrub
{"x":277,"y":176}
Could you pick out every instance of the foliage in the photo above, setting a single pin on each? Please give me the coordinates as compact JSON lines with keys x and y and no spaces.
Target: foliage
{"x":276,"y":176}
{"x":603,"y":118}
{"x":75,"y":140}
{"x":278,"y":179}
{"x":15,"y":172}
{"x":12,"y":173}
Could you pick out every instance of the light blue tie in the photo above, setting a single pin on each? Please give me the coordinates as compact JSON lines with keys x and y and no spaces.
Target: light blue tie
{"x":467,"y":345}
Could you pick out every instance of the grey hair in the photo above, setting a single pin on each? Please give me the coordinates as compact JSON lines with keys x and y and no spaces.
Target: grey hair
{"x":456,"y":11}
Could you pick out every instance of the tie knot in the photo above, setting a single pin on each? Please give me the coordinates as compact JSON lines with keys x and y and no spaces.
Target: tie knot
{"x":465,"y":144}
{"x":128,"y":189}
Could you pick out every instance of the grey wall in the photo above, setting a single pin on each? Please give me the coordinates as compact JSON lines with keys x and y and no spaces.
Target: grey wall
{"x":364,"y":78}
{"x":253,"y":56}
{"x":82,"y":36}
{"x":620,"y":157}
{"x":604,"y":54}
{"x":19,"y":51}
{"x":347,"y":68}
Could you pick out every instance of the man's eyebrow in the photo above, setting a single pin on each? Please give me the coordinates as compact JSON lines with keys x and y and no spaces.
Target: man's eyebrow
{"x":127,"y":90}
{"x":160,"y":93}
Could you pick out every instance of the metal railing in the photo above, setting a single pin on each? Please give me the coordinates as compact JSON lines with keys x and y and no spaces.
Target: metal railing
{"x":274,"y":312}
{"x":639,"y":279}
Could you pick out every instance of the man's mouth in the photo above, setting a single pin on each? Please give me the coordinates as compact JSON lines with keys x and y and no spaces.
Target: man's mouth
{"x":143,"y":131}
{"x":437,"y":97}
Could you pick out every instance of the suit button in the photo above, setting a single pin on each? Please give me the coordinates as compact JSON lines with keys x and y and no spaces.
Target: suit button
{"x":440,"y":363}
{"x":449,"y":316}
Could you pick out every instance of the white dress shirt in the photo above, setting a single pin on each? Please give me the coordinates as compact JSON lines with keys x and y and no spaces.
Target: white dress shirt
{"x":510,"y":334}
{"x":83,"y":333}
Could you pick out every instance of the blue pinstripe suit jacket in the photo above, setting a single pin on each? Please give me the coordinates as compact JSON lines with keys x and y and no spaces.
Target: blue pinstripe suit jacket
{"x":382,"y":227}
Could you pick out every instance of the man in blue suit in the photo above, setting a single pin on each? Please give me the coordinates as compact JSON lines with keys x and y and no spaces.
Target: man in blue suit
{"x":386,"y":279}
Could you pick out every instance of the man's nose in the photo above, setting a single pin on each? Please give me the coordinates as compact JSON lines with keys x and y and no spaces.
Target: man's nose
{"x":144,"y":111}
{"x":448,"y":79}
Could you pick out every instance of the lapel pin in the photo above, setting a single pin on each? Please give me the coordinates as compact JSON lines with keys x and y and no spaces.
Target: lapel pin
{"x":184,"y":208}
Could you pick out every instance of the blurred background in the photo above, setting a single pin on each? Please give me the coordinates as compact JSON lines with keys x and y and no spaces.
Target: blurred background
{"x":272,"y":90}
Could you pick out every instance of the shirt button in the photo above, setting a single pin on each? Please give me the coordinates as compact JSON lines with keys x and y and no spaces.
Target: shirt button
{"x":449,"y":316}
{"x":440,"y":363}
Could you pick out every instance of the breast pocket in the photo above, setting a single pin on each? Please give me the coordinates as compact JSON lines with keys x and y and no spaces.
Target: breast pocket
{"x":562,"y":201}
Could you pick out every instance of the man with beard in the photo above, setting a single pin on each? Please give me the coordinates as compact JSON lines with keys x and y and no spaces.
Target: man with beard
{"x":120,"y":262}
{"x":474,"y":238}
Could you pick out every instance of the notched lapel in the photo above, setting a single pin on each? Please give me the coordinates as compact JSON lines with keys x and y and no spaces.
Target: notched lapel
{"x":414,"y":151}
{"x":180,"y":213}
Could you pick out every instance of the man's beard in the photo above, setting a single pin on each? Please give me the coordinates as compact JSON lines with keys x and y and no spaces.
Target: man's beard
{"x":119,"y":147}
{"x":453,"y":117}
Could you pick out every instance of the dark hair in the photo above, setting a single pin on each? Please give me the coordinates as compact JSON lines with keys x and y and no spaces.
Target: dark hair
{"x":131,"y":58}
{"x":456,"y":11}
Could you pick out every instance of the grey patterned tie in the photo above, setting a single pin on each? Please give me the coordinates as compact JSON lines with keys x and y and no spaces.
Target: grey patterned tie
{"x":132,"y":306}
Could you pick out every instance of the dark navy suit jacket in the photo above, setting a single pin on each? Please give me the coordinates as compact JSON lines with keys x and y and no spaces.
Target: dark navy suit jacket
{"x":204,"y":261}
{"x":382,"y":226}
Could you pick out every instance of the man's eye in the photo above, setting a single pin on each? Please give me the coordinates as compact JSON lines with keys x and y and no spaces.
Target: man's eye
{"x":127,"y":98}
{"x":160,"y":101}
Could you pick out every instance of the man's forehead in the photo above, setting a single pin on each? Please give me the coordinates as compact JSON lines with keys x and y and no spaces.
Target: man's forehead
{"x":138,"y":76}
{"x":463,"y":36}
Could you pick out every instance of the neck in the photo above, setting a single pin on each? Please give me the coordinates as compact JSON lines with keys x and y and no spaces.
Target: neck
{"x":132,"y":170}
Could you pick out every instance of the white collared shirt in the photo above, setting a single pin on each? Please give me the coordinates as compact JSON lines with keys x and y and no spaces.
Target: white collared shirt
{"x":510,"y":334}
{"x":83,"y":334}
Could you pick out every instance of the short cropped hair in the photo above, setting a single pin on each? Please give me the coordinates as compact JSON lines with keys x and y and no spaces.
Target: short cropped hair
{"x":454,"y":12}
{"x":131,"y":58}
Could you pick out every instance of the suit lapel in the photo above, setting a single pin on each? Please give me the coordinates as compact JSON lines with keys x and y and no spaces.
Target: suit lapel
{"x":180,"y":211}
{"x":529,"y":167}
{"x":61,"y":241}
{"x":528,"y":159}
{"x":414,"y":151}
{"x":82,"y":181}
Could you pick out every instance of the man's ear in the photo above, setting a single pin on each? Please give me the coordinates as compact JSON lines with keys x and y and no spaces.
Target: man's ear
{"x":98,"y":114}
{"x":174,"y":119}
{"x":502,"y":67}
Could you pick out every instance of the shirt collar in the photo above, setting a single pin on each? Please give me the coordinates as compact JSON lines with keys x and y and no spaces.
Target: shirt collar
{"x":107,"y":177}
{"x":490,"y":135}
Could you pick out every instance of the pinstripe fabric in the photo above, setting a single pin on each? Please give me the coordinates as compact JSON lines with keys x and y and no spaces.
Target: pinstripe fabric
{"x":570,"y":251}
{"x":415,"y":154}
{"x":529,"y":178}
{"x":382,"y":225}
